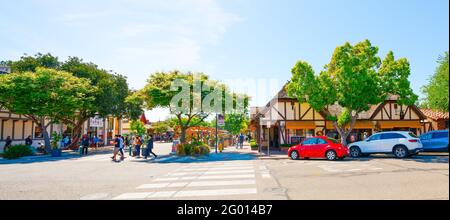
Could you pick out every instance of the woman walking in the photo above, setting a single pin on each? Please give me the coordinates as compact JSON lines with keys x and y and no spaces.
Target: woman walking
{"x":150,"y":148}
{"x":138,"y":143}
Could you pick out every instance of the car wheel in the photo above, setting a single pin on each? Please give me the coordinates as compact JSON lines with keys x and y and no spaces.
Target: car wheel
{"x":355,"y":152}
{"x":331,"y":155}
{"x":294,"y":155}
{"x":401,"y":152}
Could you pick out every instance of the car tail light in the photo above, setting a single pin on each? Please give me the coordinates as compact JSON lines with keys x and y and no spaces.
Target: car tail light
{"x":413,"y":140}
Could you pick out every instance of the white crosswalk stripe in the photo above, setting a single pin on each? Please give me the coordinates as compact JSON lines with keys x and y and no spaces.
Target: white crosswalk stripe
{"x":201,"y":181}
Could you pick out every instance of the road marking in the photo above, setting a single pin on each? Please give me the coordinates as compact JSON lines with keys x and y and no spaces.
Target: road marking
{"x":227,"y":177}
{"x":211,"y":172}
{"x":166,"y":179}
{"x":217,"y":168}
{"x":153,"y":186}
{"x":133,"y":196}
{"x":95,"y":196}
{"x":217,"y":192}
{"x":163,"y":194}
{"x":222,"y":183}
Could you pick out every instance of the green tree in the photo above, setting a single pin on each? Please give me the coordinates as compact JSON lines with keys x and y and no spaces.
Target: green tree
{"x":436,"y":92}
{"x":355,"y":79}
{"x":236,"y":123}
{"x":160,"y":127}
{"x":185,"y":94}
{"x":138,"y":127}
{"x":44,"y":96}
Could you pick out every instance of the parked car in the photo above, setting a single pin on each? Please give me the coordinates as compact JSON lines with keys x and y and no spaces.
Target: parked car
{"x":318,"y":147}
{"x":435,"y":141}
{"x":400,"y":143}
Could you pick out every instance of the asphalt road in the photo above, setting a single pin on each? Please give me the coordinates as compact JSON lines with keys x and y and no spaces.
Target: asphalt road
{"x":232,"y":175}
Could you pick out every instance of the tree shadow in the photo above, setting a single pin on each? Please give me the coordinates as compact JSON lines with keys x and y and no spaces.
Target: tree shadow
{"x":66,"y":155}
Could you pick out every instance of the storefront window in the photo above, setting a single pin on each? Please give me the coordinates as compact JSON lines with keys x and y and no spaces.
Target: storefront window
{"x":38,"y":132}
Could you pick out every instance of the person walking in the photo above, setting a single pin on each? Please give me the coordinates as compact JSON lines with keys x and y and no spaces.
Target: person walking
{"x":150,"y":148}
{"x":138,"y":145}
{"x":241,"y":141}
{"x":85,"y":144}
{"x":7,"y":143}
{"x":116,"y":148}
{"x":96,"y":141}
{"x":122,"y":147}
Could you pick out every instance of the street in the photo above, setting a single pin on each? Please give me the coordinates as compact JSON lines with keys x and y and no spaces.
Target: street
{"x":232,"y":175}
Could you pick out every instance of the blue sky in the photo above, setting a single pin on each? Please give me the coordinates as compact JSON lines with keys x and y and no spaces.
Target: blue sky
{"x":224,"y":38}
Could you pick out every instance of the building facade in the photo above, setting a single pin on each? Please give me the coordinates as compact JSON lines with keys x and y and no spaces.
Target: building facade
{"x":19,"y":127}
{"x":284,"y":120}
{"x":435,"y":120}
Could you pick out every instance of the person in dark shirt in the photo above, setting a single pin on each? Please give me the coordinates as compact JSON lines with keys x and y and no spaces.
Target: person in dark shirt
{"x":7,"y":143}
{"x":85,"y":144}
{"x":28,"y":141}
{"x":150,"y":148}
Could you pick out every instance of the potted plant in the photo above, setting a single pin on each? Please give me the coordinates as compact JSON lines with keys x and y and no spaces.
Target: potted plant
{"x":56,"y":151}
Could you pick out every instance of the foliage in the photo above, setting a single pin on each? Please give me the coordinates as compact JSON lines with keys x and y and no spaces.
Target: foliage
{"x":193,"y":149}
{"x":286,"y":145}
{"x":437,"y":90}
{"x":55,"y":140}
{"x":45,"y":96}
{"x":160,"y":127}
{"x":190,"y":97}
{"x":355,"y":79}
{"x":138,"y":127}
{"x":17,"y":151}
{"x":253,"y":144}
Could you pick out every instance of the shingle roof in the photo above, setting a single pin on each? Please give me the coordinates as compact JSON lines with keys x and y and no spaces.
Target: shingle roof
{"x":435,"y":115}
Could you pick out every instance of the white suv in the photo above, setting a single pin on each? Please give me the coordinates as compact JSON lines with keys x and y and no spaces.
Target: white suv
{"x":401,"y":143}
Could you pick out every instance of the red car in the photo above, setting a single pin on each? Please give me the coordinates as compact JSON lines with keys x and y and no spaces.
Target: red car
{"x":319,"y":147}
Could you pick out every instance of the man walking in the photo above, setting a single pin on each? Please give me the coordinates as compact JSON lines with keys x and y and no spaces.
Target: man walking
{"x":85,"y":144}
{"x":241,"y":141}
{"x":116,"y":147}
{"x":150,"y":148}
{"x":138,"y":144}
{"x":28,"y":141}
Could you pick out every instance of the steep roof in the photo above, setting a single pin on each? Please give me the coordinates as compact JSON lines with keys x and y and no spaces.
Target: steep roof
{"x":435,"y":115}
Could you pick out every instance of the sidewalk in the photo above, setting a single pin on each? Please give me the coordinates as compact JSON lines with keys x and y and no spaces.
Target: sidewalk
{"x":66,"y":154}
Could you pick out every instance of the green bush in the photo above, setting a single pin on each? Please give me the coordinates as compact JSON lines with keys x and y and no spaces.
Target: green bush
{"x":193,"y":149}
{"x":204,"y":150}
{"x":253,"y":144}
{"x":188,"y":149}
{"x":286,"y":145}
{"x":18,"y":151}
{"x":196,"y":150}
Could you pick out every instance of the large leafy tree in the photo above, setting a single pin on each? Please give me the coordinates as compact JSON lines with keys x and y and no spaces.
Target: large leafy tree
{"x":355,"y":79}
{"x":436,"y":91}
{"x":44,"y":96}
{"x":186,"y":95}
{"x":110,"y":98}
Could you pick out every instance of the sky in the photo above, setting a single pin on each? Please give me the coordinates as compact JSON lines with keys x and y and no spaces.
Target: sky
{"x":227,"y":39}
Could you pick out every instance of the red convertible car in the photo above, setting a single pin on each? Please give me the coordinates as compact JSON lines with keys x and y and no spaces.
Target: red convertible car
{"x":319,"y":147}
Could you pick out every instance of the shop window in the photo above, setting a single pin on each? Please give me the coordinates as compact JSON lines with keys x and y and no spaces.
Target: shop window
{"x":38,"y":132}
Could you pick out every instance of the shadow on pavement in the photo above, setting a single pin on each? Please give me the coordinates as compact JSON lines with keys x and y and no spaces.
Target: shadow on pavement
{"x":67,"y":155}
{"x":213,"y":157}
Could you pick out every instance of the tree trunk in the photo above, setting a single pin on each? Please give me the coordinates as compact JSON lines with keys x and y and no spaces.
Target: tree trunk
{"x":183,"y":135}
{"x":46,"y":136}
{"x":76,"y":132}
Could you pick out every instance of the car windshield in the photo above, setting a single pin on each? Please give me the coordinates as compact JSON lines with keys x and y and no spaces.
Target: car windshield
{"x":333,"y":140}
{"x":413,"y":135}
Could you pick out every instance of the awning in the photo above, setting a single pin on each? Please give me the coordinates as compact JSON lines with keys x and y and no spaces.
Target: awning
{"x":358,"y":125}
{"x":300,"y":125}
{"x":399,"y":124}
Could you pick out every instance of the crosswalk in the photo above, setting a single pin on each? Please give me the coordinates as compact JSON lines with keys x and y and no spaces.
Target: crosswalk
{"x":205,"y":180}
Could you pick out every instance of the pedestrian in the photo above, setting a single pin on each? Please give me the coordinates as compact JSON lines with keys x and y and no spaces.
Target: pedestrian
{"x":96,"y":141}
{"x":138,"y":143}
{"x":7,"y":143}
{"x":150,"y":148}
{"x":28,"y":141}
{"x":241,"y":141}
{"x":66,"y":141}
{"x":85,"y":144}
{"x":122,"y":147}
{"x":365,"y":136}
{"x":116,"y":147}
